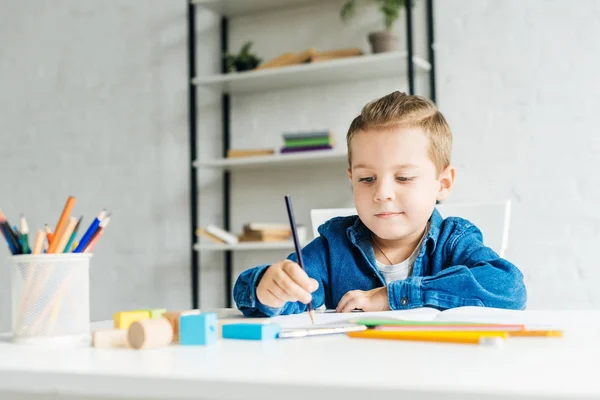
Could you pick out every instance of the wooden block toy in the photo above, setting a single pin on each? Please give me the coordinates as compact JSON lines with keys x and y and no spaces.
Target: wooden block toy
{"x":150,"y":333}
{"x":109,"y":338}
{"x":124,"y":319}
{"x":238,"y":320}
{"x":250,"y":331}
{"x":197,"y":329}
{"x":173,"y":317}
{"x":155,"y":312}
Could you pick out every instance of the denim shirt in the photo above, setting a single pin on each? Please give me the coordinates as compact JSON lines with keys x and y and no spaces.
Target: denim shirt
{"x":453,"y":269}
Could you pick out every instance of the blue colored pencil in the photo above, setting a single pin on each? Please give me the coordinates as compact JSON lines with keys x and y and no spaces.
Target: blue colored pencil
{"x":87,"y":236}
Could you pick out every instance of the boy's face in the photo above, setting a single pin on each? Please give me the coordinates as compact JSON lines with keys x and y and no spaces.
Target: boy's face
{"x":395,"y":182}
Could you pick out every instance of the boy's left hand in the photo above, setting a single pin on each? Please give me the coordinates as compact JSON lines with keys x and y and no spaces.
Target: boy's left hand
{"x":370,"y":300}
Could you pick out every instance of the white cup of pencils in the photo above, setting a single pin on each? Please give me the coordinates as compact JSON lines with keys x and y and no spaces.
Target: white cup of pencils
{"x":50,"y":280}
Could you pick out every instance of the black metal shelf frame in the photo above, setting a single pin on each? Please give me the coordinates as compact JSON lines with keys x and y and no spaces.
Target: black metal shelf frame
{"x":226,"y":134}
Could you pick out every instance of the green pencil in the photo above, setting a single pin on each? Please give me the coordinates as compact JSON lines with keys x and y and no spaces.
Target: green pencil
{"x":72,"y":238}
{"x":24,"y":237}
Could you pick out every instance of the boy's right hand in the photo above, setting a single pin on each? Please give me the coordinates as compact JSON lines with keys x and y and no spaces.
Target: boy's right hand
{"x":285,"y":281}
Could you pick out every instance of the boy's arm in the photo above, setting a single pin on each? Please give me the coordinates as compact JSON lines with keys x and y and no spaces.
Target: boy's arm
{"x":314,"y":256}
{"x":476,"y":276}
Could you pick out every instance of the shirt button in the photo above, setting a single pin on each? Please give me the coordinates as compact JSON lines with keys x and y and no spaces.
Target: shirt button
{"x":404,"y":301}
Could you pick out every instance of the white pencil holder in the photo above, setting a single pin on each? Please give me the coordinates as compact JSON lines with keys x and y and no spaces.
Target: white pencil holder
{"x":51,"y":298}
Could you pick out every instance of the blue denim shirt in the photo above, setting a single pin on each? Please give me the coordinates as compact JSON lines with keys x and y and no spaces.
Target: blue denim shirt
{"x":453,"y":269}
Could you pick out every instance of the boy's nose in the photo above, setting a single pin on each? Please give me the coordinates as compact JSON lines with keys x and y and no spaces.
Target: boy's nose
{"x":384,"y":192}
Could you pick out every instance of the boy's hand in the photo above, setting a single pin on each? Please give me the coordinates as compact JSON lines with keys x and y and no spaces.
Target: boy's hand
{"x":371,"y":300}
{"x":285,"y":281}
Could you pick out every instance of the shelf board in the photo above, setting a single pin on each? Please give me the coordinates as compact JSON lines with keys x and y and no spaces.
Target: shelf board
{"x":274,"y":160}
{"x":234,"y":8}
{"x":370,"y":66}
{"x":245,"y":246}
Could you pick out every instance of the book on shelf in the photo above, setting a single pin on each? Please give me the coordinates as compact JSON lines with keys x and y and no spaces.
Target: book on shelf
{"x":305,"y":135}
{"x":219,"y":233}
{"x":329,"y":55}
{"x":202,"y":232}
{"x":310,"y":55}
{"x":305,"y":149}
{"x":268,"y":232}
{"x":240,"y":153}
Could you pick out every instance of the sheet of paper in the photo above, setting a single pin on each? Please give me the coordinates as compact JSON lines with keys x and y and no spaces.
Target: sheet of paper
{"x":329,"y":317}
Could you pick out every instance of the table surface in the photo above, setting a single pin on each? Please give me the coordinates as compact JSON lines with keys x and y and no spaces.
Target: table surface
{"x":324,"y":367}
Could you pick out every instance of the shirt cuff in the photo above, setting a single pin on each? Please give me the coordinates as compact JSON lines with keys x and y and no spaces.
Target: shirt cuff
{"x":405,"y":294}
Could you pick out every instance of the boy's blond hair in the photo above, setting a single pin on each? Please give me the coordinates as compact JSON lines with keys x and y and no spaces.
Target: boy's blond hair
{"x":401,"y":109}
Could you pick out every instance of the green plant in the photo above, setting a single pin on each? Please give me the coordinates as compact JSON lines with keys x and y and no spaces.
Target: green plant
{"x":389,"y":8}
{"x":243,"y":61}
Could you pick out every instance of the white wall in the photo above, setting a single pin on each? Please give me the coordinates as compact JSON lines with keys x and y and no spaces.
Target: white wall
{"x":519,"y":82}
{"x":93,"y":103}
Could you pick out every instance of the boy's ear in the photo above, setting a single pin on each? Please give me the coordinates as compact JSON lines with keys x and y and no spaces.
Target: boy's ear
{"x":349,"y":172}
{"x":446,"y":180}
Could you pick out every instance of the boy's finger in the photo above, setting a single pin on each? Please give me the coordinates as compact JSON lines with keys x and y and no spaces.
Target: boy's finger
{"x":342,"y":303}
{"x":293,"y":292}
{"x":355,"y":303}
{"x":315,"y":285}
{"x":299,"y":276}
{"x":272,"y":300}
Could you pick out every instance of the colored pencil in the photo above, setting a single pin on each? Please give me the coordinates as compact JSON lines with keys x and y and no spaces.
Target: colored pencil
{"x":39,"y":242}
{"x":62,"y":223}
{"x":290,"y":211}
{"x":24,"y":229}
{"x":478,"y":337}
{"x":96,"y":237}
{"x":9,"y":235}
{"x":64,"y":238}
{"x":69,"y":245}
{"x":87,"y":236}
{"x":49,"y":234}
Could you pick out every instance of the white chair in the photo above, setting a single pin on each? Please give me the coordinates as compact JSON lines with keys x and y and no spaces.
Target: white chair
{"x":492,"y":219}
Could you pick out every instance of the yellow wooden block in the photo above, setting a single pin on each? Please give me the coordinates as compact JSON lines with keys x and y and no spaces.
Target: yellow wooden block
{"x":123,"y":319}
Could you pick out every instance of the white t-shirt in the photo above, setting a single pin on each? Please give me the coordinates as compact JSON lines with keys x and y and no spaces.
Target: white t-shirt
{"x":403,"y":269}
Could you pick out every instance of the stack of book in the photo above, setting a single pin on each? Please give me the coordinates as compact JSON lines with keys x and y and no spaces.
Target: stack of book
{"x":307,"y":141}
{"x":265,"y":232}
{"x":253,"y":232}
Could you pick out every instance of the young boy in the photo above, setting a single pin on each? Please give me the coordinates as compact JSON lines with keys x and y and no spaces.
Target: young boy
{"x":398,"y":253}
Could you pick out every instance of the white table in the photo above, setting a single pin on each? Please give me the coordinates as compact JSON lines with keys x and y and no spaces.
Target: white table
{"x":334,"y":367}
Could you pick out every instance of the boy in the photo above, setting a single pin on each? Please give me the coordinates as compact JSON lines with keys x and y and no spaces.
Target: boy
{"x":398,"y":253}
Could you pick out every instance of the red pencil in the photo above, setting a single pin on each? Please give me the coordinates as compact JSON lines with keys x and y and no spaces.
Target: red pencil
{"x":97,"y":234}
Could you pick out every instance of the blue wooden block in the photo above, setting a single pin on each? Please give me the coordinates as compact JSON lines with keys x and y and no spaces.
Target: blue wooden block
{"x":198,"y":329}
{"x":250,"y":331}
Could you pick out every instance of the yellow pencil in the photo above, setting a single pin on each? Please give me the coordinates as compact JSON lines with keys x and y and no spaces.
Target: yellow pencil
{"x":473,"y":337}
{"x":536,"y":333}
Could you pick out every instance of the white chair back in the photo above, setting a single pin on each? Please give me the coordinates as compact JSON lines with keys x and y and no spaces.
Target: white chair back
{"x":492,"y":219}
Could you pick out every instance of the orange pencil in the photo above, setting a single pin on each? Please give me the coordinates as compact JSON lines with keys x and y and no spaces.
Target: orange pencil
{"x":49,"y":234}
{"x":97,"y":234}
{"x":60,"y":226}
{"x":39,"y":242}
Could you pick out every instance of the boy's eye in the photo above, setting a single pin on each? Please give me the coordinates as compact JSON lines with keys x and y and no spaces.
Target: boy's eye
{"x":368,"y":179}
{"x":405,"y":178}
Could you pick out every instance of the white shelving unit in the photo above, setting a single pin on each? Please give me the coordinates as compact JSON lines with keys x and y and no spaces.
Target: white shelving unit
{"x":276,"y":160}
{"x":346,"y":70}
{"x":245,"y":246}
{"x":372,"y":66}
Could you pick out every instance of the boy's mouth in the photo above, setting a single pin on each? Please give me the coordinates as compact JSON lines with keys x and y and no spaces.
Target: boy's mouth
{"x":388,"y":214}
